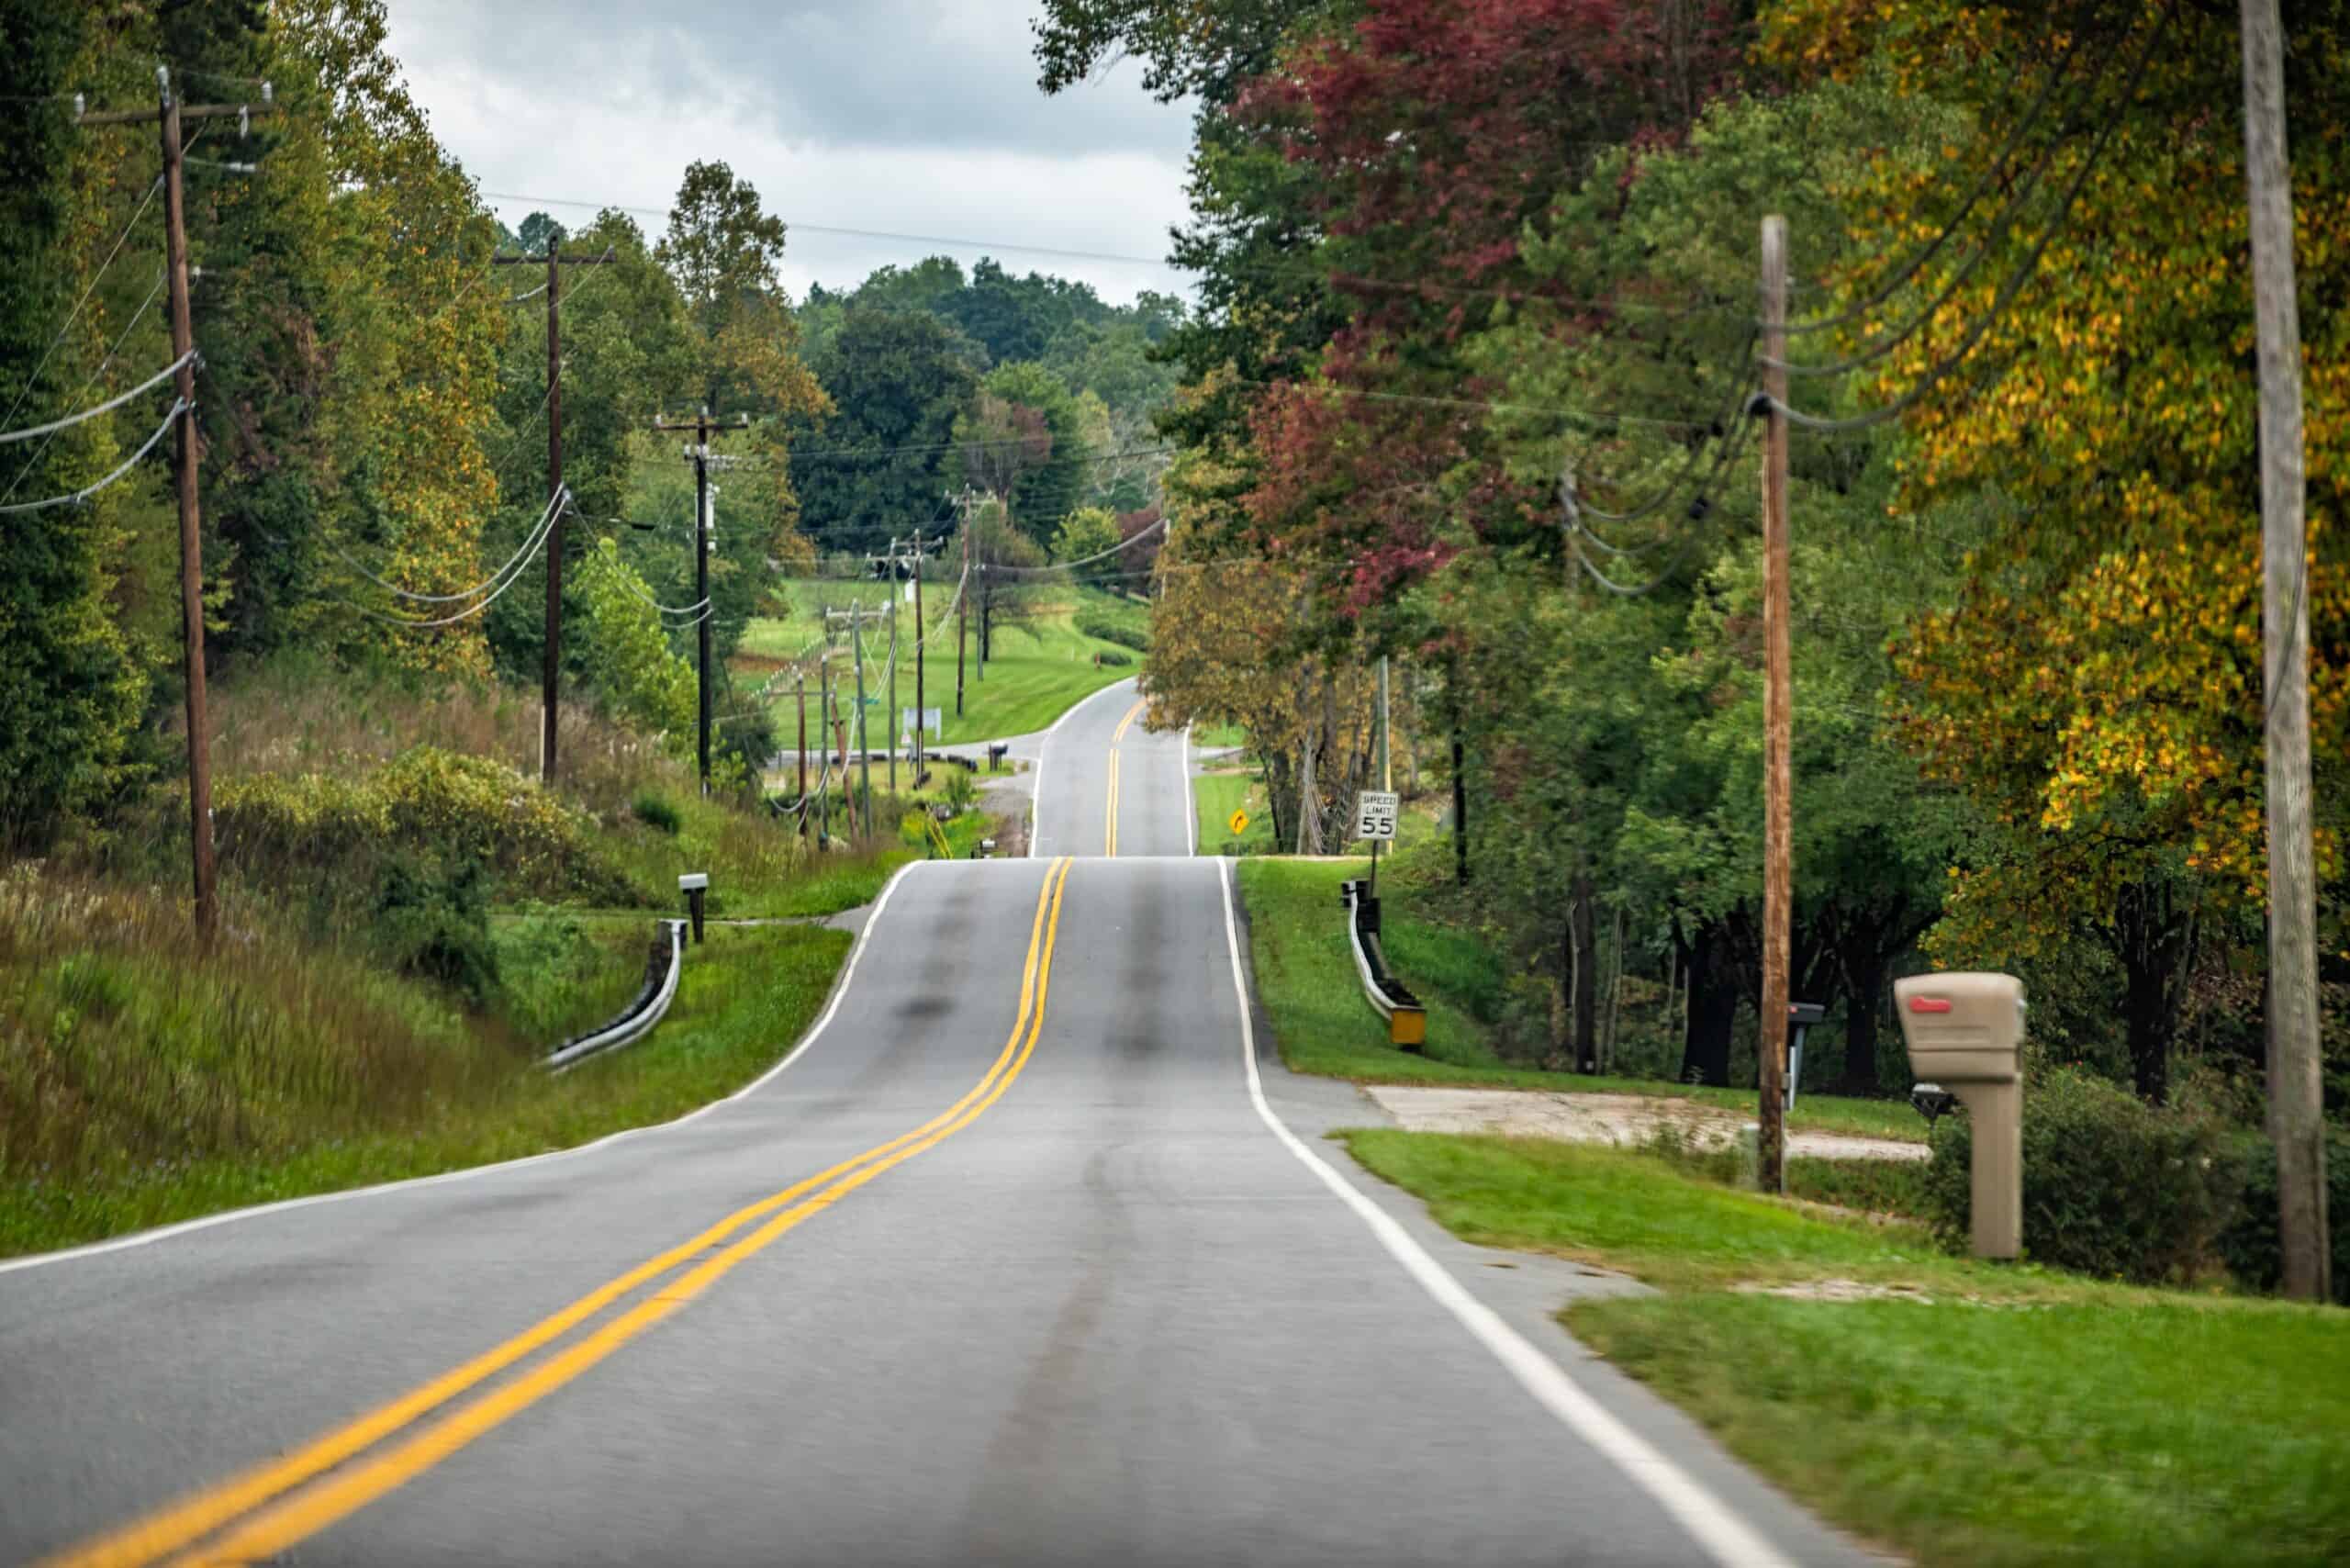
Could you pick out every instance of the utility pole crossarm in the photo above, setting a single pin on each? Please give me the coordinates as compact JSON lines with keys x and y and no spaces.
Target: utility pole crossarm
{"x":560,"y":261}
{"x":187,"y":112}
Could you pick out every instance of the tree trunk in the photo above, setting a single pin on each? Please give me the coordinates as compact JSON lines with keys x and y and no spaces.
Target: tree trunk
{"x":1459,"y":779}
{"x":1584,"y":944}
{"x":2154,"y":939}
{"x":1614,"y":996}
{"x":1309,"y":810}
{"x":1865,"y":973}
{"x":1276,"y":789}
{"x":1712,"y":1009}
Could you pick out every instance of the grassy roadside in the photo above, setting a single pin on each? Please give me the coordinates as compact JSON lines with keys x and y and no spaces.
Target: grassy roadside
{"x":1306,"y":977}
{"x":1215,"y":796}
{"x":1041,"y":669}
{"x":1965,"y":1412}
{"x":1956,"y":1411}
{"x":410,"y":920}
{"x":744,"y":999}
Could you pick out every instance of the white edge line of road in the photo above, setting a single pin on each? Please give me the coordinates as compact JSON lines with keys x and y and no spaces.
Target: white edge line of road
{"x":205,"y":1222}
{"x":1727,"y":1538}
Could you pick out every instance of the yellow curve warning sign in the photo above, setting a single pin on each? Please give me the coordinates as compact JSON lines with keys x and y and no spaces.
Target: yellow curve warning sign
{"x":1239,"y":824}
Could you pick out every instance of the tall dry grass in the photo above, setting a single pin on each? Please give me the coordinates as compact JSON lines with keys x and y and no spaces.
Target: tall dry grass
{"x":296,"y":716}
{"x":122,"y":1043}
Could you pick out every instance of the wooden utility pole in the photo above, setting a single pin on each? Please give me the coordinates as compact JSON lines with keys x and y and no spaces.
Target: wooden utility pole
{"x":800,"y":687}
{"x":1386,"y":765}
{"x":551,"y":654}
{"x":199,"y":745}
{"x":2296,"y":1086}
{"x":168,"y":114}
{"x":1778,"y":777}
{"x":963,"y":602}
{"x":699,"y":454}
{"x":890,"y":735}
{"x":824,"y":719}
{"x":1386,"y":734}
{"x":864,"y":750}
{"x":919,"y":710}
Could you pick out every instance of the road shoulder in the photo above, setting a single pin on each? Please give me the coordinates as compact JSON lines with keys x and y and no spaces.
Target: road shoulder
{"x":1527,"y":1291}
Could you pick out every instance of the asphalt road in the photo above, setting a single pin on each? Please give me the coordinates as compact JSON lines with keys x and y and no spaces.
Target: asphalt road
{"x":1027,"y":1256}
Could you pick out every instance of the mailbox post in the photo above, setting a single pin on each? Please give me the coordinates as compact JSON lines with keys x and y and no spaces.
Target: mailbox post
{"x":1801,"y":1016}
{"x":1963,"y":1032}
{"x":695,"y":885}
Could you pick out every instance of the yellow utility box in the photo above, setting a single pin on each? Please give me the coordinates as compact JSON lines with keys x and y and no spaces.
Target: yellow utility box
{"x":1408,"y":1026}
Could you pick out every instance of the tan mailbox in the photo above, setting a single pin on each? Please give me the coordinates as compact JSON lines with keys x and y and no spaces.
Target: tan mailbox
{"x":1964,"y":1031}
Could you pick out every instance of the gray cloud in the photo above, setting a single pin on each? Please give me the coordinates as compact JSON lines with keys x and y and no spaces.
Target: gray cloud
{"x":837,"y":73}
{"x":909,"y":116}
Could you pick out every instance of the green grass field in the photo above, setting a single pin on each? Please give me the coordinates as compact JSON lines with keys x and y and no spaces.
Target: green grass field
{"x":1214,"y":735}
{"x":1041,"y":667}
{"x":1306,"y":976}
{"x":1958,"y":1412}
{"x":1215,"y":796}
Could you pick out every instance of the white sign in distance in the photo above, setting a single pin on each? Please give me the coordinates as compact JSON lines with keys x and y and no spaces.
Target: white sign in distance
{"x":931,"y":719}
{"x":1376,"y":815}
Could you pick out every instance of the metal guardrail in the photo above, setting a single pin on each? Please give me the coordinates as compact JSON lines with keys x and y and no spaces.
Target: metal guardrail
{"x":1407,"y":1021}
{"x":636,"y":1021}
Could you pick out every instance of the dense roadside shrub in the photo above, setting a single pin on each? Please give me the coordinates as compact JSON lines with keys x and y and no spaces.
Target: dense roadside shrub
{"x":1110,"y":658}
{"x":657,"y":812}
{"x":432,"y":920}
{"x":2111,"y":1186}
{"x":428,"y":804}
{"x":1109,"y":629}
{"x":2249,"y":1245}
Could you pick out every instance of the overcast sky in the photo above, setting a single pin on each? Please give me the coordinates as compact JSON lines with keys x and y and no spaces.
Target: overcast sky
{"x":912,"y":116}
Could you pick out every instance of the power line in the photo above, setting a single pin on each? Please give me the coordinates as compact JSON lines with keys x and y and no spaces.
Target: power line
{"x":8,"y":437}
{"x":465,"y":614}
{"x":940,"y":449}
{"x":179,"y":406}
{"x":32,"y":380}
{"x":1576,"y":533}
{"x":2007,"y":214}
{"x":530,"y":424}
{"x":1982,"y":187}
{"x":122,"y":337}
{"x":1479,"y":405}
{"x":1573,"y":500}
{"x":530,"y":546}
{"x":2014,"y":284}
{"x":1304,"y":271}
{"x":697,"y":609}
{"x":1133,"y":539}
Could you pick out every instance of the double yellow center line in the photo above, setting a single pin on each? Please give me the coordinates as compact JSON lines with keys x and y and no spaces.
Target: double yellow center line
{"x":1110,"y":836}
{"x":272,"y":1507}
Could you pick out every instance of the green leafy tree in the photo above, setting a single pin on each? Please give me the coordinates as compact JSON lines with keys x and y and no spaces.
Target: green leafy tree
{"x":897,"y":381}
{"x":630,"y":664}
{"x":2096,"y":686}
{"x":1004,"y":561}
{"x":69,"y":692}
{"x":1088,"y":531}
{"x":1025,"y":445}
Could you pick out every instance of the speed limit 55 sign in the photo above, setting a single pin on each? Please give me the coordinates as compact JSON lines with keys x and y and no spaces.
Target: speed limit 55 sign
{"x":1376,"y":815}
